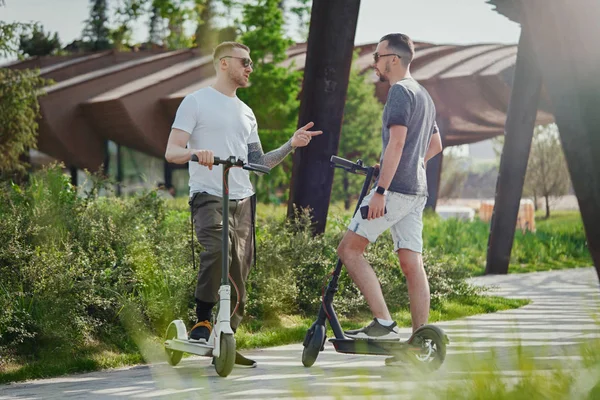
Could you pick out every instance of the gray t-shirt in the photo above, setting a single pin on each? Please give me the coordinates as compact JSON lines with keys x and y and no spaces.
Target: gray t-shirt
{"x":410,"y":105}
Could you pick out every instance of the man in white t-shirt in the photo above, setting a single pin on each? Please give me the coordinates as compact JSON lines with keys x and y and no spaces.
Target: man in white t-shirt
{"x":214,"y":122}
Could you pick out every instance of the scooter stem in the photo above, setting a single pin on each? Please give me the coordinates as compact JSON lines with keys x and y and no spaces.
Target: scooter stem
{"x":225,"y":239}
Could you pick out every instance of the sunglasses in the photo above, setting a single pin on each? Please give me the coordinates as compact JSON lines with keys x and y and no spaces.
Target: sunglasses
{"x":377,"y":56}
{"x":246,"y":62}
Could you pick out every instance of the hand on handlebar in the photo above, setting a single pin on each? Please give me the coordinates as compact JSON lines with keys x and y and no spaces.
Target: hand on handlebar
{"x":205,"y":157}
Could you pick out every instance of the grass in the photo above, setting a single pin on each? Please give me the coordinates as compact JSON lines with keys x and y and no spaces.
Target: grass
{"x":558,"y":243}
{"x":292,"y":329}
{"x":252,"y":334}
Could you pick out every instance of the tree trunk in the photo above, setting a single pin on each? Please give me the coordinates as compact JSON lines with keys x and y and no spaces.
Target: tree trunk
{"x":547,"y":207}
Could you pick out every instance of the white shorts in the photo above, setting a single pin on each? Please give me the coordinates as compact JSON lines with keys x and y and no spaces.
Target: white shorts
{"x":404,"y":217}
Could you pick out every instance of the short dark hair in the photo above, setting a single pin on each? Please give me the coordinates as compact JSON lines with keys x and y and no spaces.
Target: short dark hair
{"x":401,"y":43}
{"x":225,"y":47}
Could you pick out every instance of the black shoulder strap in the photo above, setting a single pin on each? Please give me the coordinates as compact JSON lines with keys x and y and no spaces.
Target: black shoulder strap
{"x":253,"y":206}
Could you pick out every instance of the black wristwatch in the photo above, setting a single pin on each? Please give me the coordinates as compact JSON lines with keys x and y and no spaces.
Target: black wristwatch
{"x":380,"y":190}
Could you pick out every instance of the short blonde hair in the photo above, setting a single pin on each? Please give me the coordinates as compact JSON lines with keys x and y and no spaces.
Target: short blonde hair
{"x":224,"y":47}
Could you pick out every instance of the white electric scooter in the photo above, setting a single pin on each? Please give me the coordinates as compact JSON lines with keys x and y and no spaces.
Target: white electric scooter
{"x":221,"y":343}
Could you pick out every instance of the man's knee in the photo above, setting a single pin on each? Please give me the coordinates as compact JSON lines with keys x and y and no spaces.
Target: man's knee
{"x":346,"y":248}
{"x":352,"y":245}
{"x":410,"y":261}
{"x":342,"y":250}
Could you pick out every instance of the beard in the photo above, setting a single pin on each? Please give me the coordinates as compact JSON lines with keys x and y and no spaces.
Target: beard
{"x":383,"y":74}
{"x":238,"y":80}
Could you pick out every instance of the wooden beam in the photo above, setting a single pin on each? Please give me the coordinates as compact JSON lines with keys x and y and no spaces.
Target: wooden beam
{"x":328,"y":61}
{"x":565,"y":38}
{"x":520,"y":121}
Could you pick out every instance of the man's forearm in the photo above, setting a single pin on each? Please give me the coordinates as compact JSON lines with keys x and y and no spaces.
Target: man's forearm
{"x":178,"y":154}
{"x":272,"y":158}
{"x":391,"y":159}
{"x":435,"y":147}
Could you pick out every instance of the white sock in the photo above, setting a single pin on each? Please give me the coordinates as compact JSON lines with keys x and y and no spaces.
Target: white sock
{"x":385,"y":322}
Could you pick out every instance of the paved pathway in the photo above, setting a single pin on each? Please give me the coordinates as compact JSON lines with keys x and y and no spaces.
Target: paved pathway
{"x":563,"y":315}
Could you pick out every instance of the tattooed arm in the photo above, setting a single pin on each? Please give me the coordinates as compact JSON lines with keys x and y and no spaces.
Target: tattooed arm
{"x":272,"y":158}
{"x":300,"y":138}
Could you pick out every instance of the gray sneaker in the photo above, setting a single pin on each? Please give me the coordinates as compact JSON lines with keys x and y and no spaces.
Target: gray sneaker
{"x":375,"y":331}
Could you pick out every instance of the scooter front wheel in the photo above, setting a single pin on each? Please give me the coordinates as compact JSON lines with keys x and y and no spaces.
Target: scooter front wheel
{"x":224,"y":363}
{"x":176,"y":330}
{"x":314,"y":340}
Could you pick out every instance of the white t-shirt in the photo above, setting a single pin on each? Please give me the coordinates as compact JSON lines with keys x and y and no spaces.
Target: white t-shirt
{"x":224,"y":125}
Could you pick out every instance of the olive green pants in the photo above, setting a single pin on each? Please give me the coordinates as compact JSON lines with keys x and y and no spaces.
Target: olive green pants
{"x":208,"y":223}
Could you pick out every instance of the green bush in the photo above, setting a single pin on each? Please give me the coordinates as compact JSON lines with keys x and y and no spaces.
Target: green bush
{"x":70,"y":262}
{"x":294,"y":267}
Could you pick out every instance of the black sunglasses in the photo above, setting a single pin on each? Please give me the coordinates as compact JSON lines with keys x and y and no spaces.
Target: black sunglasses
{"x":376,"y":56}
{"x":246,"y":62}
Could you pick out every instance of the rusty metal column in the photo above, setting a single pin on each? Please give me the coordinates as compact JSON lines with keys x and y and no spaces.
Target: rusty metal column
{"x":328,"y":61}
{"x":520,"y":121}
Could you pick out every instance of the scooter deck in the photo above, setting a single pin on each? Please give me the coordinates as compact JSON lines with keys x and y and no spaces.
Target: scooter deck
{"x":187,"y":346}
{"x":368,"y":346}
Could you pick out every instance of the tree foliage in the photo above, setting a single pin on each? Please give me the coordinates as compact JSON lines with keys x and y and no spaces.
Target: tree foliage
{"x":274,"y":89}
{"x":38,"y":42}
{"x":302,"y":10}
{"x":19,"y":108}
{"x":9,"y":37}
{"x":96,"y":34}
{"x":126,"y":13}
{"x":273,"y":94}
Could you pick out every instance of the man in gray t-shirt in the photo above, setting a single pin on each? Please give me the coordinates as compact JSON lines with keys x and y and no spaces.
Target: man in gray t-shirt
{"x":409,"y":139}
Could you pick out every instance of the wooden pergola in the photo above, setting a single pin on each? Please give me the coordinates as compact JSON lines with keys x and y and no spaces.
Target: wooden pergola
{"x":131,"y":98}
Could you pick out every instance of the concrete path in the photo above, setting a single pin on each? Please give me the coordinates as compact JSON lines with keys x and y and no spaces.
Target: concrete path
{"x":549,"y":333}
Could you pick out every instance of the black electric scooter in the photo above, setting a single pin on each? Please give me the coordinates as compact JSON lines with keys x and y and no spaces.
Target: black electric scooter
{"x":221,"y":344}
{"x":426,"y":347}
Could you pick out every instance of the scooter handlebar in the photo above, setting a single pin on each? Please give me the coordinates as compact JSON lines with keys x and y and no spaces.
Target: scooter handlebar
{"x":348,"y":165}
{"x":247,"y":166}
{"x":342,"y":162}
{"x":217,"y":160}
{"x":257,"y":168}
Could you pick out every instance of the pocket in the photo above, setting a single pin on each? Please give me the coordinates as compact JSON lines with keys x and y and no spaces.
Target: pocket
{"x":207,"y":211}
{"x":203,"y":199}
{"x":399,"y":204}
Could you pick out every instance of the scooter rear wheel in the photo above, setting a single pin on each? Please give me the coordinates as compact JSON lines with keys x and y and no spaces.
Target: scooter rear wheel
{"x":224,"y":363}
{"x":314,"y":345}
{"x":433,"y":349}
